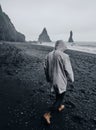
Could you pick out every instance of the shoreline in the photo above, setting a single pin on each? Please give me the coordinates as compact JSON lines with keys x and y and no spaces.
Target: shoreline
{"x":91,"y":50}
{"x":71,"y":46}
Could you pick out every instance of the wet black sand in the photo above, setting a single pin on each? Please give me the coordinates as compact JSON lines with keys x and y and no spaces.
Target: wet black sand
{"x":25,"y":94}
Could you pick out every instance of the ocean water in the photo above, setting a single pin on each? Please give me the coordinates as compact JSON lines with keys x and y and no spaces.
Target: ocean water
{"x":89,"y":47}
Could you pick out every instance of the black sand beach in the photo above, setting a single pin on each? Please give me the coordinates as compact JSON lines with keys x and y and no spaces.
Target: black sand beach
{"x":25,"y":94}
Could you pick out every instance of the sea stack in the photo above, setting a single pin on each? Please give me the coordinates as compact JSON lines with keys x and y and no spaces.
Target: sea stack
{"x":70,"y":38}
{"x":7,"y":29}
{"x":44,"y":37}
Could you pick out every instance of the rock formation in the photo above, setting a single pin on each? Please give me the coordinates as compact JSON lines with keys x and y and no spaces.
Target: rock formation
{"x":44,"y":37}
{"x":7,"y":29}
{"x":70,"y":38}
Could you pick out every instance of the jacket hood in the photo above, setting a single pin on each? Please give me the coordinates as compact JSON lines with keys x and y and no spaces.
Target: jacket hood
{"x":60,"y":45}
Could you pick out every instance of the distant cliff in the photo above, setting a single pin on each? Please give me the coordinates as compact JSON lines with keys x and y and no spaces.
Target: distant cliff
{"x":44,"y":37}
{"x":71,"y":37}
{"x":7,"y":29}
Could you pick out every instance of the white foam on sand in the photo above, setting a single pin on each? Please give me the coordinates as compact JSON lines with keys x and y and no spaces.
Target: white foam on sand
{"x":83,"y":49}
{"x":88,"y":47}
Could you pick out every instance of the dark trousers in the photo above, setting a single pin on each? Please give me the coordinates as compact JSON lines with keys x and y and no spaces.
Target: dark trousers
{"x":58,"y":102}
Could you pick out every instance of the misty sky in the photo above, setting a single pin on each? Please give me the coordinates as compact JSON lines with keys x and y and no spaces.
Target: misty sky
{"x":58,"y":16}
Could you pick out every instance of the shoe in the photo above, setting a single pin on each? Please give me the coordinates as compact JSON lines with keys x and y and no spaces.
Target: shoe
{"x":61,"y":108}
{"x":47,"y":117}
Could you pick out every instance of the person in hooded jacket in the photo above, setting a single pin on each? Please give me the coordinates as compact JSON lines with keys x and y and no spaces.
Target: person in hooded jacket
{"x":58,"y":68}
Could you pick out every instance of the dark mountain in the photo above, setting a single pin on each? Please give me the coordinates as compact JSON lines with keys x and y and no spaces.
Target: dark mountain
{"x":44,"y":37}
{"x":7,"y":29}
{"x":70,"y":37}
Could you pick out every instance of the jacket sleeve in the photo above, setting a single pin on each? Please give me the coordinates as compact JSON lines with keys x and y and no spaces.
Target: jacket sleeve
{"x":46,"y":68}
{"x":69,"y":69}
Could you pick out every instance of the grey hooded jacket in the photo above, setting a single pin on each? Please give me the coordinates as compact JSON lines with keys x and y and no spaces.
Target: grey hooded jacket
{"x":57,"y":67}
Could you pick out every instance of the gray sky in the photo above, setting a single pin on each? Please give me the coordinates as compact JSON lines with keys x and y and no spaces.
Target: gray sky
{"x":58,"y":16}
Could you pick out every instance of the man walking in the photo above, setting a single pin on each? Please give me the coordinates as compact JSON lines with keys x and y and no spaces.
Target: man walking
{"x":57,"y":69}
